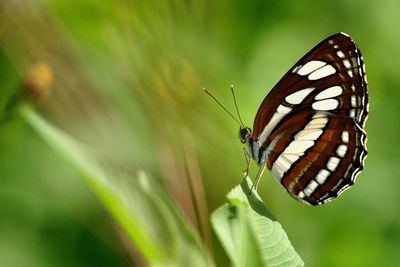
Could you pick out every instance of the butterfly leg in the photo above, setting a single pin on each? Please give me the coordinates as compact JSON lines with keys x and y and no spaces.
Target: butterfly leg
{"x":258,"y":177}
{"x":248,"y":162}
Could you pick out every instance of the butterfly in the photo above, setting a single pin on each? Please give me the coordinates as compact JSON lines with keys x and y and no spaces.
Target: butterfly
{"x":309,"y":129}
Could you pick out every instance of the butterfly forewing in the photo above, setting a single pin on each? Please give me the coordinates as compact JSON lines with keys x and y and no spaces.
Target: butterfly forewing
{"x":309,"y":128}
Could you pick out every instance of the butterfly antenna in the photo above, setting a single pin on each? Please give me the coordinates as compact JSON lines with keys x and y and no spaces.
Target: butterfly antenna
{"x":236,"y":105}
{"x":219,"y":103}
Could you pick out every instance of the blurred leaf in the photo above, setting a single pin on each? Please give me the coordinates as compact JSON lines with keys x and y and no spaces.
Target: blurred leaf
{"x":147,"y":215}
{"x":250,"y":234}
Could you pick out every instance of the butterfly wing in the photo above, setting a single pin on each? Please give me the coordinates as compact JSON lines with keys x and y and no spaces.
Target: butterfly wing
{"x":311,"y":123}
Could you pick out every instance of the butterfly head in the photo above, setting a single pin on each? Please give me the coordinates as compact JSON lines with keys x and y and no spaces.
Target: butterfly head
{"x":244,"y":134}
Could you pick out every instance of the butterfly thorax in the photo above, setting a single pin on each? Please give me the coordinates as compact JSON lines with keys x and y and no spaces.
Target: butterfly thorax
{"x":253,"y":148}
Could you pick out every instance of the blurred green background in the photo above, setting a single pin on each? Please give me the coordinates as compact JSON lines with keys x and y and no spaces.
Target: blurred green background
{"x":127,"y":79}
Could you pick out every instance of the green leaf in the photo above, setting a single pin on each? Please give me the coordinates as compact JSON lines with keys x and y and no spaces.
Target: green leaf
{"x":144,"y":211}
{"x":249,"y":233}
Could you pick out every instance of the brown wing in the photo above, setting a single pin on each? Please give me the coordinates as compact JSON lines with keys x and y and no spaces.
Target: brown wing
{"x":302,"y":120}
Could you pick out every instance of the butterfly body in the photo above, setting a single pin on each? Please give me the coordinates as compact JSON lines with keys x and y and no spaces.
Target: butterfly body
{"x":309,"y":130}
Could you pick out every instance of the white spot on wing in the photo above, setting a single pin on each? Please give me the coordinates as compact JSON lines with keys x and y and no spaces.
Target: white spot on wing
{"x":321,"y":176}
{"x":322,"y":72}
{"x":310,"y":188}
{"x":301,"y":194}
{"x":354,"y":61}
{"x":282,"y":165}
{"x":340,"y":54}
{"x":278,"y":115}
{"x":332,"y":163}
{"x":283,"y":109}
{"x":319,"y":115}
{"x":330,"y":92}
{"x":310,"y":67}
{"x":307,"y":192}
{"x":350,"y":73}
{"x":346,"y":64}
{"x":297,"y":97}
{"x":328,"y":104}
{"x":317,"y":122}
{"x":308,"y":134}
{"x":298,"y":147}
{"x":341,"y":150}
{"x":345,"y":136}
{"x":296,"y":68}
{"x":353,"y":101}
{"x":292,"y":158}
{"x":352,"y":113}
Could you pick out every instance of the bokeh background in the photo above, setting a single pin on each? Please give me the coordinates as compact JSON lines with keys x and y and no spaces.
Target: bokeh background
{"x":127,"y":79}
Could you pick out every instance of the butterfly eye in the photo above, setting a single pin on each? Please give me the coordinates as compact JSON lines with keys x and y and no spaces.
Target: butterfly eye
{"x":244,"y":134}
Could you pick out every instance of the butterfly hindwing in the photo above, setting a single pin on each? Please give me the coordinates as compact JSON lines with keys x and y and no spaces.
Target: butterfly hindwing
{"x":318,"y":154}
